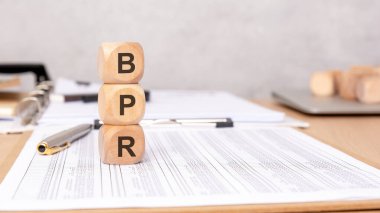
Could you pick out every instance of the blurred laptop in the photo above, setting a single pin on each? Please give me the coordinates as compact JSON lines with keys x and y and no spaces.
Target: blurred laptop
{"x":303,"y":101}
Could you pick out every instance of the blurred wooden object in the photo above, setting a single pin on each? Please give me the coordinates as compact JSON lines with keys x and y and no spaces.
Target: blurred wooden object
{"x":8,"y":103}
{"x":362,"y":69}
{"x":323,"y":83}
{"x":368,"y":89}
{"x":359,"y":83}
{"x":9,"y":83}
{"x":348,"y":81}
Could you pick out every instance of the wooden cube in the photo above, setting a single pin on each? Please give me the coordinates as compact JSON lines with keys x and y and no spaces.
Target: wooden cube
{"x":120,"y":63}
{"x":377,"y":70}
{"x":368,"y":89}
{"x":323,"y":83}
{"x":347,"y":81}
{"x":362,"y":69}
{"x":121,"y":144}
{"x":121,"y":104}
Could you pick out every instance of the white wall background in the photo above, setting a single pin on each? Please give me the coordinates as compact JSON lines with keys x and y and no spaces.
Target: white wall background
{"x":244,"y":46}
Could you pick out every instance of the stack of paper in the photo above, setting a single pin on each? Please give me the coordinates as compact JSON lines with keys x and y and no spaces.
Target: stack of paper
{"x":206,"y":104}
{"x":188,"y":167}
{"x":65,"y":86}
{"x":166,"y":104}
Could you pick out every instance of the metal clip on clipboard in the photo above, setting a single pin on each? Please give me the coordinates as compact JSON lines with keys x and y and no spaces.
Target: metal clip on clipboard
{"x":31,"y":107}
{"x":217,"y":122}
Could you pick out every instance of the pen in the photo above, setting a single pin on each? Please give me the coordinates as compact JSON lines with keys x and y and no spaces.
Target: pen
{"x":62,"y":140}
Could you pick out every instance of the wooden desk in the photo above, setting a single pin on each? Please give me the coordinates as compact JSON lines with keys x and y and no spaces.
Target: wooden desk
{"x":358,"y":136}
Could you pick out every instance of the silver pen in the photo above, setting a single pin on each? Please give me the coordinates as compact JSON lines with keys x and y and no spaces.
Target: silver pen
{"x":62,"y":140}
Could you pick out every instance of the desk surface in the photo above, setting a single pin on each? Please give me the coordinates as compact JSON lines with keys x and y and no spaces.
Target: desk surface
{"x":358,"y":136}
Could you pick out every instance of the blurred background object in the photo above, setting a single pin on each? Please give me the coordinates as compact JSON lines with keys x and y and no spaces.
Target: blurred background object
{"x":247,"y":47}
{"x":23,"y":85}
{"x":21,"y":77}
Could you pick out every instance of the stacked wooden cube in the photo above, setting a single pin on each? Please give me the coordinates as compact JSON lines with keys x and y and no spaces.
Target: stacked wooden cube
{"x":361,"y":83}
{"x":121,"y":103}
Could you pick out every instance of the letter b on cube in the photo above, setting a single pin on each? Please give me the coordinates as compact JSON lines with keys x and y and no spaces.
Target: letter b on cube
{"x":121,"y":104}
{"x":121,"y":63}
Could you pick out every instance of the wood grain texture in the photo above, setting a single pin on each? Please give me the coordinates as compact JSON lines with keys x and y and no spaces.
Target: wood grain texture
{"x":358,"y":136}
{"x":131,"y":136}
{"x":108,"y":63}
{"x":110,"y":99}
{"x":10,"y":147}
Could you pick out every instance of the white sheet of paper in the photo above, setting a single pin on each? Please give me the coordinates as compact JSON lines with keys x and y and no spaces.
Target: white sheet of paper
{"x":206,"y":104}
{"x":189,"y":167}
{"x":79,"y":112}
{"x":172,"y":104}
{"x":64,"y":86}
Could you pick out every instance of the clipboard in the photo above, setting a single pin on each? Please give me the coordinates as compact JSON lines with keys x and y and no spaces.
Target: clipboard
{"x":38,"y":70}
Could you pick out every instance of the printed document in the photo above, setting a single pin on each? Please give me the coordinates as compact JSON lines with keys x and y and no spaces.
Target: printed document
{"x":189,"y":167}
{"x":169,"y":104}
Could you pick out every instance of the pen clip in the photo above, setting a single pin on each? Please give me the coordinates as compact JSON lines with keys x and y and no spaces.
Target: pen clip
{"x":44,"y":149}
